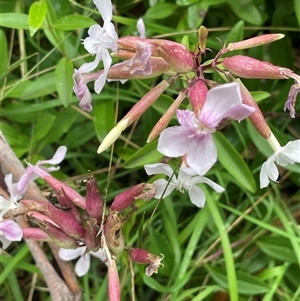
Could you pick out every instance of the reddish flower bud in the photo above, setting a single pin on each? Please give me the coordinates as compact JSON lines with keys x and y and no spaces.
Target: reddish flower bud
{"x":114,"y":292}
{"x":94,"y":203}
{"x":197,"y":93}
{"x":127,"y":197}
{"x":57,"y":235}
{"x":248,"y":67}
{"x":178,"y":57}
{"x":257,"y":118}
{"x":142,"y":256}
{"x":254,"y":42}
{"x":112,"y":232}
{"x":74,"y":196}
{"x":36,"y":234}
{"x":67,"y":223}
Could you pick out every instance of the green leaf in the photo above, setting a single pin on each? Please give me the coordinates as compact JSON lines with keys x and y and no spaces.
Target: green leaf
{"x":72,"y":22}
{"x":64,"y":82}
{"x":247,"y":284}
{"x":161,"y":11}
{"x":104,"y":112}
{"x":297,"y":10}
{"x":278,"y":248}
{"x":44,"y":85}
{"x":236,"y":34}
{"x":37,"y":14}
{"x":246,"y":10}
{"x":233,"y":162}
{"x":14,"y":20}
{"x":4,"y":54}
{"x":43,"y":126}
{"x":146,"y":155}
{"x":260,"y":95}
{"x":196,"y":14}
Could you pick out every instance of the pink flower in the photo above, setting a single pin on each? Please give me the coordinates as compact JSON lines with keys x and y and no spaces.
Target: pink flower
{"x":194,"y":136}
{"x":9,"y":231}
{"x":33,"y":172}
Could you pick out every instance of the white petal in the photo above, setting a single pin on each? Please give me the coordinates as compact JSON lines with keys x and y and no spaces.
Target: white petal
{"x":8,"y":182}
{"x":290,"y":153}
{"x":141,"y":28}
{"x":99,"y":254}
{"x":105,"y":9}
{"x":173,"y":142}
{"x":82,"y":266}
{"x":159,"y":168}
{"x":70,"y":254}
{"x":87,"y":67}
{"x":263,"y":176}
{"x":197,"y":196}
{"x":202,"y":156}
{"x":5,"y":242}
{"x":268,"y":170}
{"x":160,"y":188}
{"x":212,"y":184}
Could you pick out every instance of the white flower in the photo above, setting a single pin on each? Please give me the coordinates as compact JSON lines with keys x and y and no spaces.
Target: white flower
{"x":6,"y":205}
{"x":187,"y":181}
{"x":194,"y":135}
{"x":288,"y":154}
{"x":83,"y":264}
{"x":100,"y":40}
{"x":9,"y":231}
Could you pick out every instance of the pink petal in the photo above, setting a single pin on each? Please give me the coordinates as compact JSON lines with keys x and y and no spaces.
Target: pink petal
{"x":11,"y":230}
{"x":57,"y":158}
{"x":173,"y":142}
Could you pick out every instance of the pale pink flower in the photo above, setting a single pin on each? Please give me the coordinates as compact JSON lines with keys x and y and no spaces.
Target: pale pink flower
{"x":9,"y":231}
{"x":194,"y":135}
{"x":33,"y":172}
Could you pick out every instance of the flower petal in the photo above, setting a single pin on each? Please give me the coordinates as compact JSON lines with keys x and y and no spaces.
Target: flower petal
{"x":105,"y":9}
{"x":197,"y":196}
{"x":99,"y":254}
{"x":268,"y":170}
{"x":11,"y":230}
{"x":290,"y":153}
{"x":70,"y":254}
{"x":173,"y":142}
{"x":141,"y":28}
{"x":57,"y":158}
{"x":212,"y":184}
{"x":163,"y":188}
{"x":159,"y":168}
{"x":82,"y":266}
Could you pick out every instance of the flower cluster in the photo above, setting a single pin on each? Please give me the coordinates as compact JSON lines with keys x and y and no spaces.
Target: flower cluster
{"x":212,"y":105}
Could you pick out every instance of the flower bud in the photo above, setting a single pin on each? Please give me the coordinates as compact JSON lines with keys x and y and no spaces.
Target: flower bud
{"x":127,"y":197}
{"x":202,"y":37}
{"x":112,"y":232}
{"x":166,"y":118}
{"x":67,"y":223}
{"x":248,"y":67}
{"x":256,"y":118}
{"x":94,"y":203}
{"x":254,"y":42}
{"x":36,"y":234}
{"x":74,"y":196}
{"x":197,"y":93}
{"x":142,"y":256}
{"x":178,"y":57}
{"x":135,"y":112}
{"x":114,"y":292}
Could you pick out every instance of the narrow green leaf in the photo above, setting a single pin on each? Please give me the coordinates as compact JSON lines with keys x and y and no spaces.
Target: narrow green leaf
{"x":277,"y":247}
{"x":37,"y":14}
{"x":72,"y":22}
{"x":297,"y":10}
{"x":64,"y":82}
{"x":4,"y":54}
{"x":247,"y":284}
{"x":146,"y":155}
{"x":236,"y":33}
{"x":234,"y":163}
{"x":161,"y":11}
{"x":43,"y":126}
{"x":14,"y":20}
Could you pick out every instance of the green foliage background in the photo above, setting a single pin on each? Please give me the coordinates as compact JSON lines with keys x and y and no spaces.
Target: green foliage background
{"x":244,"y":244}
